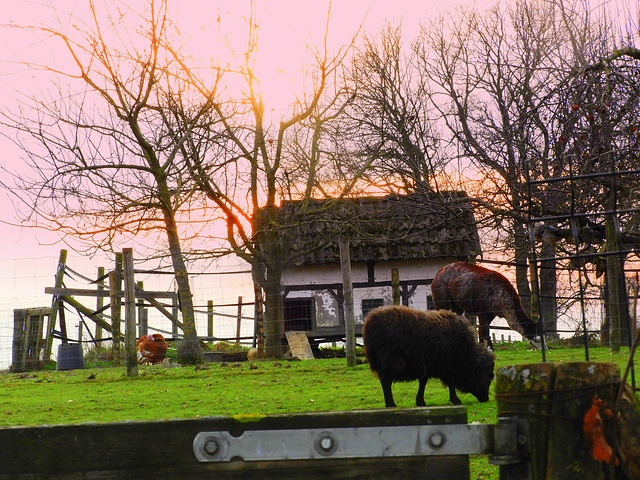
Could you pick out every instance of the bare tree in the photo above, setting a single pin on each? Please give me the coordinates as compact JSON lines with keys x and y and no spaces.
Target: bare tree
{"x":156,"y":135}
{"x":493,"y":72}
{"x":390,"y":120}
{"x":246,"y":164}
{"x":101,"y":164}
{"x":597,"y":157}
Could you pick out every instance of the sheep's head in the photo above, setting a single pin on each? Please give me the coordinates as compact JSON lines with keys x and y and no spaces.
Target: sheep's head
{"x":481,"y":375}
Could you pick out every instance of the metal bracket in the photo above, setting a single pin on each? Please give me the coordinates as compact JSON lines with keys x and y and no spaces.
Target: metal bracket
{"x":503,"y":441}
{"x":511,"y":441}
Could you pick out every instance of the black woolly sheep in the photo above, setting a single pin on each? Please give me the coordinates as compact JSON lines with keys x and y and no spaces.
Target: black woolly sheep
{"x":403,"y":344}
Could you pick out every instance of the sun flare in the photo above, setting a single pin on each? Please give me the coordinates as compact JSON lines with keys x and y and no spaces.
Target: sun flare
{"x":288,"y":36}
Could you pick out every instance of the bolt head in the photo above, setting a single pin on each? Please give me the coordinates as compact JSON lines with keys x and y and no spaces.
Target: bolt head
{"x":326,"y":444}
{"x":437,"y":439}
{"x":211,"y":447}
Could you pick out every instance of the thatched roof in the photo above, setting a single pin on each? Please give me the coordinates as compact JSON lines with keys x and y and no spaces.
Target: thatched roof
{"x":395,"y":227}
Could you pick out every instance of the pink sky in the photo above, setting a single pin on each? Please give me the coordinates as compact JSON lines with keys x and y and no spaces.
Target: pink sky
{"x":286,"y":25}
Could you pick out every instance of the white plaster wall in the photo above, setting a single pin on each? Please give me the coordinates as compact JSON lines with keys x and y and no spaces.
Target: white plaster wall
{"x":326,"y":305}
{"x":319,"y":274}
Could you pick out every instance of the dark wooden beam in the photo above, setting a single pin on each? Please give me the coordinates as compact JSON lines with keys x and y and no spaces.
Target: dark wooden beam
{"x":87,"y":292}
{"x":164,"y":449}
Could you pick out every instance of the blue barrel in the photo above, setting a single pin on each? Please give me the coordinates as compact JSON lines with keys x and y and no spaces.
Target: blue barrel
{"x":70,"y":357}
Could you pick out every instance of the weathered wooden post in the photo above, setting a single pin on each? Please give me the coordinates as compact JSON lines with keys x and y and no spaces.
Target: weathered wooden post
{"x":174,"y":313}
{"x":56,"y":304}
{"x":99,"y":301}
{"x":209,"y":318}
{"x":239,"y":321}
{"x":130,"y":312}
{"x":554,"y":398}
{"x":114,"y":297}
{"x":349,"y":320}
{"x":25,"y":340}
{"x":18,"y":347}
{"x":143,"y":315}
{"x":395,"y":286}
{"x":523,"y":390}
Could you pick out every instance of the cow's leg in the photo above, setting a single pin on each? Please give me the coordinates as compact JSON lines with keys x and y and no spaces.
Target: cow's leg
{"x":420,"y":395}
{"x":473,"y":321}
{"x":485,"y":335}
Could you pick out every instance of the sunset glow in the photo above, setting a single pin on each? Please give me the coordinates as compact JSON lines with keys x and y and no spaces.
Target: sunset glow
{"x":289,"y":32}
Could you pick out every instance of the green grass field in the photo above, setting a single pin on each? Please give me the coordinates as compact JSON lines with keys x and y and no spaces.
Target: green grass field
{"x":261,"y":388}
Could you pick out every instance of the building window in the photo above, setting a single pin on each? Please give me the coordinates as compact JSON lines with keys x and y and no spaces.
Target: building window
{"x":430,"y":304}
{"x":369,"y":304}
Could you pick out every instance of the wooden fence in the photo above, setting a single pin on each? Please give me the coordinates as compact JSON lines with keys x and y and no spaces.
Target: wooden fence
{"x":126,"y":301}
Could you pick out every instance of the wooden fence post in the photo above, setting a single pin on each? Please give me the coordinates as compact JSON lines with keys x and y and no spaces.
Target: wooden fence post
{"x":395,"y":286}
{"x":25,"y":340}
{"x":239,"y":321}
{"x":174,"y":313}
{"x":349,"y":320}
{"x":143,"y":315}
{"x":19,"y":344}
{"x":209,"y":318}
{"x":114,"y":288}
{"x":55,"y":305}
{"x":130,"y":312}
{"x":554,"y":398}
{"x":99,"y":302}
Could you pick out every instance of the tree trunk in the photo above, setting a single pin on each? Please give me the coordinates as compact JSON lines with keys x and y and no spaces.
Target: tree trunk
{"x":268,"y":268}
{"x":189,"y":351}
{"x":522,"y":270}
{"x":618,"y":311}
{"x":274,"y":315}
{"x":257,"y":274}
{"x":548,"y":288}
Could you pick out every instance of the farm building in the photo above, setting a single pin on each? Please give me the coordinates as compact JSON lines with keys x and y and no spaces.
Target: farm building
{"x":416,"y":234}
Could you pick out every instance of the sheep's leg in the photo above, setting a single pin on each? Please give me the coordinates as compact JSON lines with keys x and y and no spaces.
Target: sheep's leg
{"x":420,"y":396}
{"x":453,"y":398}
{"x":386,"y":390}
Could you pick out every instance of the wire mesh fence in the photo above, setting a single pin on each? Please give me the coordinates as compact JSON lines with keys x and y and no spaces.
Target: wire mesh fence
{"x":223,"y":299}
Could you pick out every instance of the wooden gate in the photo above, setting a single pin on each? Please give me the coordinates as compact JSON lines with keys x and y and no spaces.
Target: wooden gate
{"x":373,"y":444}
{"x":28,"y":338}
